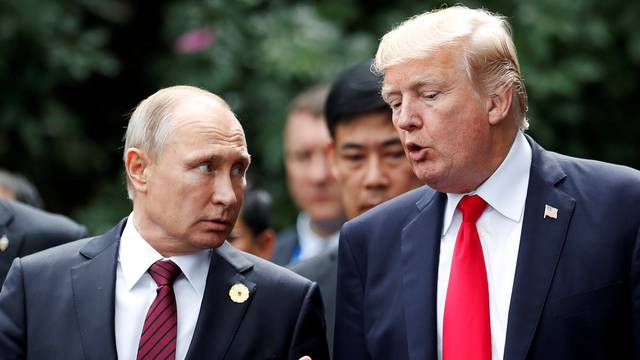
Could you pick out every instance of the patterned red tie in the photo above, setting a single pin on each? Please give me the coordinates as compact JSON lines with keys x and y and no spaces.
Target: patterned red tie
{"x":158,"y":339}
{"x":466,"y":326}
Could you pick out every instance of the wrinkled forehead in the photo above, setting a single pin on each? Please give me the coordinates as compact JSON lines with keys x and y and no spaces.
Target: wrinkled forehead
{"x":203,"y":119}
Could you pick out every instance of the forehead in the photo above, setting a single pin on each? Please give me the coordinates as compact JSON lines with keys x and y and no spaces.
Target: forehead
{"x":204,"y":128}
{"x":372,"y":128}
{"x":305,"y":130}
{"x":439,"y":67}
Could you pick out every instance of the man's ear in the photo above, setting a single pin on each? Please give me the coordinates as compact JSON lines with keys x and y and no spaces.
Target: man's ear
{"x":137,"y":164}
{"x":499,"y":104}
{"x":266,"y":243}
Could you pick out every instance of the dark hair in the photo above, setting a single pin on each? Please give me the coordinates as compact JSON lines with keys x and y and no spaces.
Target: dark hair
{"x":256,"y":211}
{"x":23,"y":190}
{"x":355,"y":92}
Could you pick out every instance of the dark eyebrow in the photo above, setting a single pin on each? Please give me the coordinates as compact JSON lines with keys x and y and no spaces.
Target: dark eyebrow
{"x":351,"y":146}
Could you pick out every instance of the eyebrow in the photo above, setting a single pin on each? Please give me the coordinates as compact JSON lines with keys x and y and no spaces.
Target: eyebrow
{"x":385,"y":144}
{"x":420,"y":82}
{"x":205,"y":156}
{"x":391,"y":142}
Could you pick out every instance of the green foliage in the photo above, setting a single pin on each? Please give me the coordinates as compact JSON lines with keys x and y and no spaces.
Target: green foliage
{"x":71,"y":69}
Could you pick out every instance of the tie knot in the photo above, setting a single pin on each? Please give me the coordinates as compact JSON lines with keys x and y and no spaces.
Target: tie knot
{"x":164,"y":272}
{"x":472,"y":207}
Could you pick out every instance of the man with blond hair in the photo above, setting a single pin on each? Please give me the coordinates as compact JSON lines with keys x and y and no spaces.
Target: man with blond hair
{"x":164,"y":283}
{"x":512,"y":252}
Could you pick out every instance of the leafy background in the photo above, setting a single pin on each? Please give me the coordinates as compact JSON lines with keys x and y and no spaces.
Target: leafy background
{"x":71,"y":71}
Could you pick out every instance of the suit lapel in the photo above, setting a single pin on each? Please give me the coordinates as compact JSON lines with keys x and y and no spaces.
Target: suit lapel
{"x":93,"y":283}
{"x":421,"y":246}
{"x":541,"y":243}
{"x":219,"y":316}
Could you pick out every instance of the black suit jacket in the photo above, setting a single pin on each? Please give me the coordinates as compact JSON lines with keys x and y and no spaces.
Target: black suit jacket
{"x":323,"y":269}
{"x":60,"y":303}
{"x":286,"y":245}
{"x":29,"y":230}
{"x":576,"y":292}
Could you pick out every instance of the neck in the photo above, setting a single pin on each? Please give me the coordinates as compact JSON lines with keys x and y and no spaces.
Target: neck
{"x":325,"y":228}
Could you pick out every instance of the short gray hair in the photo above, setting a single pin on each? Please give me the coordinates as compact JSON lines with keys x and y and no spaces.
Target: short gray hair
{"x":490,"y":58}
{"x":152,"y":121}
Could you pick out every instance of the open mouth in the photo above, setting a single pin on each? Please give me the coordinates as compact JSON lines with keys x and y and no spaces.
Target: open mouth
{"x":415,"y":152}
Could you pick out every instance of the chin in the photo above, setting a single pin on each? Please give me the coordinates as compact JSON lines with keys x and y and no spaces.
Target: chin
{"x":209,"y":242}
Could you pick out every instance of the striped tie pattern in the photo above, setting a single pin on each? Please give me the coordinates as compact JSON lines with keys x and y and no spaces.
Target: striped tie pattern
{"x":158,"y":339}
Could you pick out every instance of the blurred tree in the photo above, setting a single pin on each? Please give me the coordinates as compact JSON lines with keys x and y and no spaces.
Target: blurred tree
{"x":71,"y":71}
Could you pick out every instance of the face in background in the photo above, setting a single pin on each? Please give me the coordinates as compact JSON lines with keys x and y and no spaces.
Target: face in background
{"x":452,"y":133}
{"x":188,"y":198}
{"x":7,"y":194}
{"x":309,"y":177}
{"x":261,"y":244}
{"x":369,"y":162}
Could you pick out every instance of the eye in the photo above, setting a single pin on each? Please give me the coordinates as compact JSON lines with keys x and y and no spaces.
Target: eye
{"x":205,"y":167}
{"x":395,"y":104}
{"x":353,"y":157}
{"x":399,"y":154}
{"x":238,"y":170}
{"x":430,"y":95}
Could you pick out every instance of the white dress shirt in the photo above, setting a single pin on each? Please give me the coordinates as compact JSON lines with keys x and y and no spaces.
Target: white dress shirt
{"x":499,"y":228}
{"x":136,"y":290}
{"x":312,"y":244}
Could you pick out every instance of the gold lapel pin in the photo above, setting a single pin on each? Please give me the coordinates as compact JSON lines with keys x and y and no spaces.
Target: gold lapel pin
{"x":4,"y":243}
{"x":239,"y":293}
{"x":550,"y":212}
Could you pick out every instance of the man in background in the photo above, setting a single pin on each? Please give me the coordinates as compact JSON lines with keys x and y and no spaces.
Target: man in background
{"x":367,"y":159}
{"x":512,"y":252}
{"x":164,"y":283}
{"x":17,"y":187}
{"x":310,"y":181}
{"x":252,"y":232}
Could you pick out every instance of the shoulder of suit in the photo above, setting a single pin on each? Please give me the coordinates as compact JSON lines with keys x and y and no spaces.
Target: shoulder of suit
{"x":42,"y":223}
{"x":624,"y":179}
{"x":317,"y":264}
{"x":60,"y":256}
{"x":398,"y":207}
{"x":261,"y":270}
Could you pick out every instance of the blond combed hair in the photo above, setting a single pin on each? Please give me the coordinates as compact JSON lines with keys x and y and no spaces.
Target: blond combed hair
{"x":489,"y":55}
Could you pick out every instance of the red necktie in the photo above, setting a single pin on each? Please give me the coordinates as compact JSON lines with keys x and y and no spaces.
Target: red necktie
{"x":158,"y":339}
{"x":466,"y":326}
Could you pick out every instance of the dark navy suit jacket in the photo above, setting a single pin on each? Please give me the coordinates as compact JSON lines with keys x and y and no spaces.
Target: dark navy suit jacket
{"x":60,"y":303}
{"x":576,"y":292}
{"x":29,"y":230}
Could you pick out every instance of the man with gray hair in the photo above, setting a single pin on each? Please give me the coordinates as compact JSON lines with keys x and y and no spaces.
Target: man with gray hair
{"x":164,"y":283}
{"x":512,"y":252}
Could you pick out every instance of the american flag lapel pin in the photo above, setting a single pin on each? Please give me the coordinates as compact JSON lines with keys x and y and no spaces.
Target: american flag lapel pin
{"x":550,"y":212}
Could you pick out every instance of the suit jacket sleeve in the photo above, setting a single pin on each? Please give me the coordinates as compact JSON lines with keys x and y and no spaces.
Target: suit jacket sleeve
{"x":309,"y":335}
{"x":349,"y":338}
{"x":12,"y":314}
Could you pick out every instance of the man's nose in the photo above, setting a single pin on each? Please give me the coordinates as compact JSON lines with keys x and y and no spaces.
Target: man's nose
{"x":408,"y":117}
{"x":223,"y":193}
{"x":319,"y":171}
{"x":375,"y":175}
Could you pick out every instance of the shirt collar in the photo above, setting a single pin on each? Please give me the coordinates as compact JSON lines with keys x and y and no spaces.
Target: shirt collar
{"x":308,"y":238}
{"x":136,"y":256}
{"x":506,"y":189}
